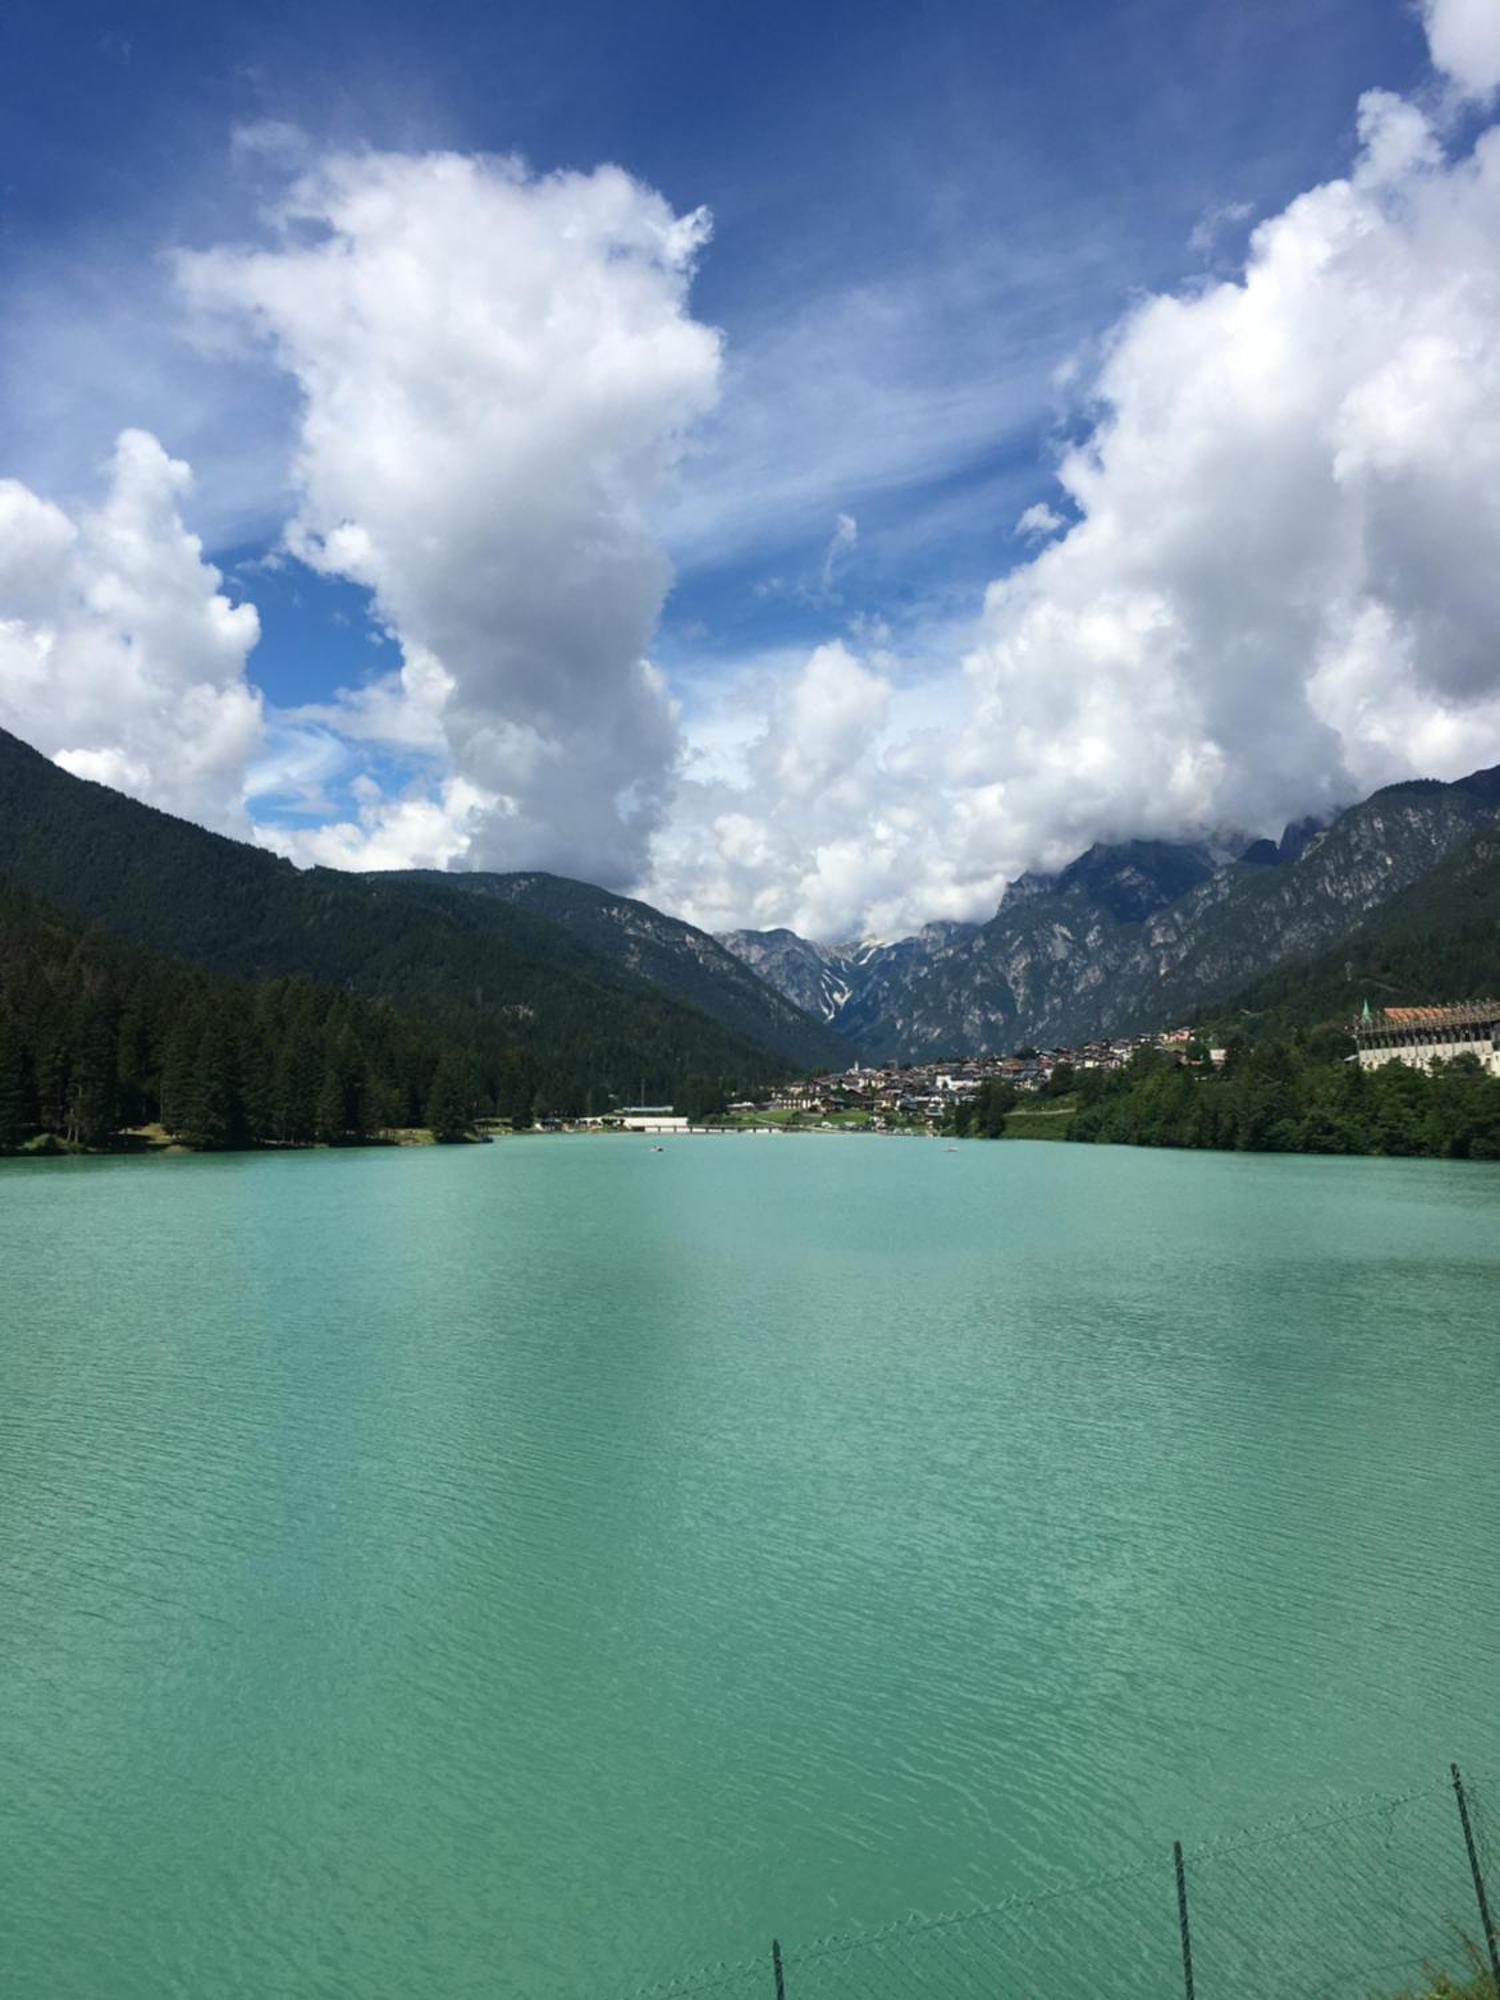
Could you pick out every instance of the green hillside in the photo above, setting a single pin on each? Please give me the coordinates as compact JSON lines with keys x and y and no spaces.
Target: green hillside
{"x":97,"y":1036}
{"x":675,"y":956}
{"x":1290,"y":1084}
{"x":546,"y":1019}
{"x":1298,"y":1096}
{"x":1437,"y":941}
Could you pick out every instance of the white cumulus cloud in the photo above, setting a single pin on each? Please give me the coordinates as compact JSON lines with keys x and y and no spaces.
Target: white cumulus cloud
{"x":499,"y":375}
{"x":1284,"y":585}
{"x":824,"y":816}
{"x":1280,"y":588}
{"x":424,"y":827}
{"x":120,"y":654}
{"x":1268,"y":580}
{"x":1464,"y":36}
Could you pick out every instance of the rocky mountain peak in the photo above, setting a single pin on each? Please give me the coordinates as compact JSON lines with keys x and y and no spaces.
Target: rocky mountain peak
{"x":1133,"y":934}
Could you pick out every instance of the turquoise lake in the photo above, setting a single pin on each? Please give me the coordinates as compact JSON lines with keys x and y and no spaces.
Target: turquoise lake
{"x":554,"y":1566}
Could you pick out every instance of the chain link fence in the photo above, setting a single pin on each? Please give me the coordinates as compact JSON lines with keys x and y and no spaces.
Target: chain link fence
{"x":1382,"y":1898}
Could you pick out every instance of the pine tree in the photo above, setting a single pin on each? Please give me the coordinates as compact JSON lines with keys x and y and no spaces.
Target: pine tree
{"x":14,"y":1086}
{"x":177,"y":1071}
{"x":297,"y":1087}
{"x":96,"y":1034}
{"x":93,"y":1116}
{"x":52,"y":1069}
{"x":447,"y":1111}
{"x":215,"y":1117}
{"x":515,"y":1095}
{"x":331,"y":1118}
{"x":133,"y":1062}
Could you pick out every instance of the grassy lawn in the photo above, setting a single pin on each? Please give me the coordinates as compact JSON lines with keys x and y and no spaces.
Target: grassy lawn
{"x":1052,"y":1123}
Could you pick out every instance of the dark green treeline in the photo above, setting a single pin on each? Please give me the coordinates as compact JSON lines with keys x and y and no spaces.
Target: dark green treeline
{"x":97,"y":1036}
{"x":1305,"y":1095}
{"x":983,"y":1115}
{"x":550,"y":1020}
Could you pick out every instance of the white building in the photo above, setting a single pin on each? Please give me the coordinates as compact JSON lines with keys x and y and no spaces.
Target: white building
{"x":650,"y":1118}
{"x":1423,"y":1036}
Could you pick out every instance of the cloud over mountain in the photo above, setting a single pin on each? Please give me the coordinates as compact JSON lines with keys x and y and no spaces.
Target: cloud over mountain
{"x":498,"y":375}
{"x":120,"y":655}
{"x":1280,"y":588}
{"x":1268,"y":578}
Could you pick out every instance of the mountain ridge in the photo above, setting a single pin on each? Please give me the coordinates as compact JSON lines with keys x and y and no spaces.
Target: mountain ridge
{"x":582,"y":993}
{"x":668,"y":951}
{"x":537,"y":1003}
{"x":1132,"y":935}
{"x":1436,"y":941}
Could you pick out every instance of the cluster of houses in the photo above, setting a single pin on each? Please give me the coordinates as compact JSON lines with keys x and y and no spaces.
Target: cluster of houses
{"x":901,"y":1094}
{"x":904,"y":1091}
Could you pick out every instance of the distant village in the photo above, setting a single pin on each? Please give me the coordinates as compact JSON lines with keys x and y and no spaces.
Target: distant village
{"x":893,"y":1093}
{"x":899,"y":1096}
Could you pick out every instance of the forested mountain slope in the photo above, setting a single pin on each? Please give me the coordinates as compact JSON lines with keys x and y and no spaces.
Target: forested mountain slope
{"x":1300,"y":1097}
{"x":545,"y":1016}
{"x":97,"y":1035}
{"x":677,"y":957}
{"x":1437,"y":941}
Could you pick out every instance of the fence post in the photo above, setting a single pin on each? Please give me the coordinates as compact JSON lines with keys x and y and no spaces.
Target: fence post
{"x":1182,"y":1919}
{"x":776,"y":1968}
{"x":1492,"y":1944}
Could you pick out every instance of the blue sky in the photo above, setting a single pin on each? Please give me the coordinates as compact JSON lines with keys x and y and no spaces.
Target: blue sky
{"x":926,"y":223}
{"x":1016,"y":171}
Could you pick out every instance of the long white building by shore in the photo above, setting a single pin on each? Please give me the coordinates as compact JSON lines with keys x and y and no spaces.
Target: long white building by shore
{"x":1423,"y":1036}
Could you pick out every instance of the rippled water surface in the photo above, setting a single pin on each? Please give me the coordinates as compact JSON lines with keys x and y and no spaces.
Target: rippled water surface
{"x":534,"y":1568}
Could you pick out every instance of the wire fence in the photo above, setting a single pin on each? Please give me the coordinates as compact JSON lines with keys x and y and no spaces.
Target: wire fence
{"x":1376,"y":1898}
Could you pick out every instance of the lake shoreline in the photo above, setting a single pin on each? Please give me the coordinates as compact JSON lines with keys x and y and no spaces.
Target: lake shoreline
{"x":1045,"y":1128}
{"x":150,"y":1143}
